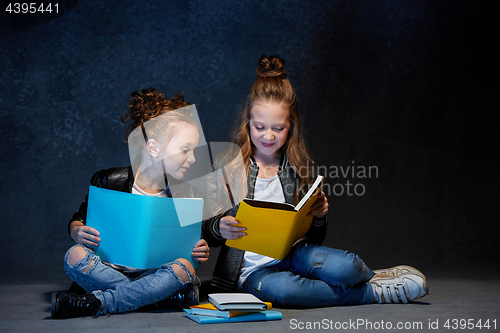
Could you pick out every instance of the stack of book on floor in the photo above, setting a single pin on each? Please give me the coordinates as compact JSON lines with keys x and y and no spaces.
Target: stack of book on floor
{"x":231,"y":308}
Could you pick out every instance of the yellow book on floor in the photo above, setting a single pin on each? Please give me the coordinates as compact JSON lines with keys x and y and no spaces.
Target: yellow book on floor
{"x":208,"y":309}
{"x":272,"y":228}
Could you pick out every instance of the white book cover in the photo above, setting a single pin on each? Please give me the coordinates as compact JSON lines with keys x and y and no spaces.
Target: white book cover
{"x":236,"y":301}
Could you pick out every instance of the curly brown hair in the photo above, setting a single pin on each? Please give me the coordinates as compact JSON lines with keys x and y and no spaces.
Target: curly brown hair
{"x":147,"y":104}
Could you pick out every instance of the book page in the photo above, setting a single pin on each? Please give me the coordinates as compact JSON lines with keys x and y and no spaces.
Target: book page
{"x":269,"y":204}
{"x":318,"y":184}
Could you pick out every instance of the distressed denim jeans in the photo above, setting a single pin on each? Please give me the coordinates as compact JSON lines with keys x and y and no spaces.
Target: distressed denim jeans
{"x":312,"y":276}
{"x":118,"y":292}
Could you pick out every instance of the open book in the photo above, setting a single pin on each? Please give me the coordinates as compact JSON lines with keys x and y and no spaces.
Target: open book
{"x":141,"y":231}
{"x":272,"y":228}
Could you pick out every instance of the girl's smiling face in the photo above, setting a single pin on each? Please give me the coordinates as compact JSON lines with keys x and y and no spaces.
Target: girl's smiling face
{"x":269,"y":125}
{"x":178,"y":154}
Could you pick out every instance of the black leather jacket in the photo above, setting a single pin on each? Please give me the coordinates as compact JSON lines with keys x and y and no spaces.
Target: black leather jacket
{"x":118,"y":179}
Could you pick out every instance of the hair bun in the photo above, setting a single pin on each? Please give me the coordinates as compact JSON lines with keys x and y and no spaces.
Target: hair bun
{"x":147,"y":104}
{"x":273,"y":66}
{"x":178,"y":98}
{"x":144,"y":105}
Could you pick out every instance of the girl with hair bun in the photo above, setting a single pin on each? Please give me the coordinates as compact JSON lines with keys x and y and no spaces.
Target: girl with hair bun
{"x":163,"y":136}
{"x":279,"y":168}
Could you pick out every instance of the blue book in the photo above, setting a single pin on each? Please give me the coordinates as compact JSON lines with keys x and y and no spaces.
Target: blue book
{"x":258,"y":316}
{"x":141,"y":231}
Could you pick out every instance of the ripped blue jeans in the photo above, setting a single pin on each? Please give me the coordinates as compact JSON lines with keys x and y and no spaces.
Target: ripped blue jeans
{"x":312,"y":276}
{"x":118,"y":292}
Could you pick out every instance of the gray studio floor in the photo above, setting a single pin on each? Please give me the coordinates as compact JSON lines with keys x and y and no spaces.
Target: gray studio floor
{"x":25,"y":307}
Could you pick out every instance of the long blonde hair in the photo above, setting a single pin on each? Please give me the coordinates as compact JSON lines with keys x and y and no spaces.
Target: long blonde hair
{"x":272,"y":86}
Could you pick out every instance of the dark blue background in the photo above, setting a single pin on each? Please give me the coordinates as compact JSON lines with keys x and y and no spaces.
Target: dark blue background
{"x":406,"y":86}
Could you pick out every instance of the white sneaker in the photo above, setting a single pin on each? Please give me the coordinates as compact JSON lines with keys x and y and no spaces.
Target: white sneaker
{"x":398,"y":270}
{"x":405,"y":287}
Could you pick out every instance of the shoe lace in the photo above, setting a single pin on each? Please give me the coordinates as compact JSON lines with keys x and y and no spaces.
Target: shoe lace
{"x":82,"y":305}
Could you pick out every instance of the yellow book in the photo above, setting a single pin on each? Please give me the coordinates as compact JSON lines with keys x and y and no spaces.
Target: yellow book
{"x":209,"y":309}
{"x":272,"y":228}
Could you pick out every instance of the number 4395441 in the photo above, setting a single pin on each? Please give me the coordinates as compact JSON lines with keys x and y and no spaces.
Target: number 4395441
{"x":462,"y":324}
{"x":24,"y":8}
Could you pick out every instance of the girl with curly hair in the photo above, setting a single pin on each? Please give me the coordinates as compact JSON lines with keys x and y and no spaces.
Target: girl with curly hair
{"x":164,"y":134}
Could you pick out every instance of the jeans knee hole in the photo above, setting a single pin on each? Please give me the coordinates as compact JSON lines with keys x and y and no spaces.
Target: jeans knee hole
{"x":359,"y":264}
{"x":86,"y":265}
{"x":319,"y":259}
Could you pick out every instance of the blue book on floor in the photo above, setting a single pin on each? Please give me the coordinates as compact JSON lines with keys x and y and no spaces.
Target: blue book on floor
{"x":258,"y":316}
{"x":144,"y":232}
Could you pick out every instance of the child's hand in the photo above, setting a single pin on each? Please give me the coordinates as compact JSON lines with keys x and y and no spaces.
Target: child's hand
{"x":85,"y":235}
{"x":320,"y":207}
{"x":201,"y":251}
{"x":229,"y":230}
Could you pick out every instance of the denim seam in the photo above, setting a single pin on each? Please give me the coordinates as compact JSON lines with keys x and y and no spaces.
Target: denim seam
{"x":100,"y":296}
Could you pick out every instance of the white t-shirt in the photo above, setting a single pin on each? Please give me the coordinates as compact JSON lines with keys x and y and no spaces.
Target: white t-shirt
{"x":265,"y":190}
{"x":137,"y":190}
